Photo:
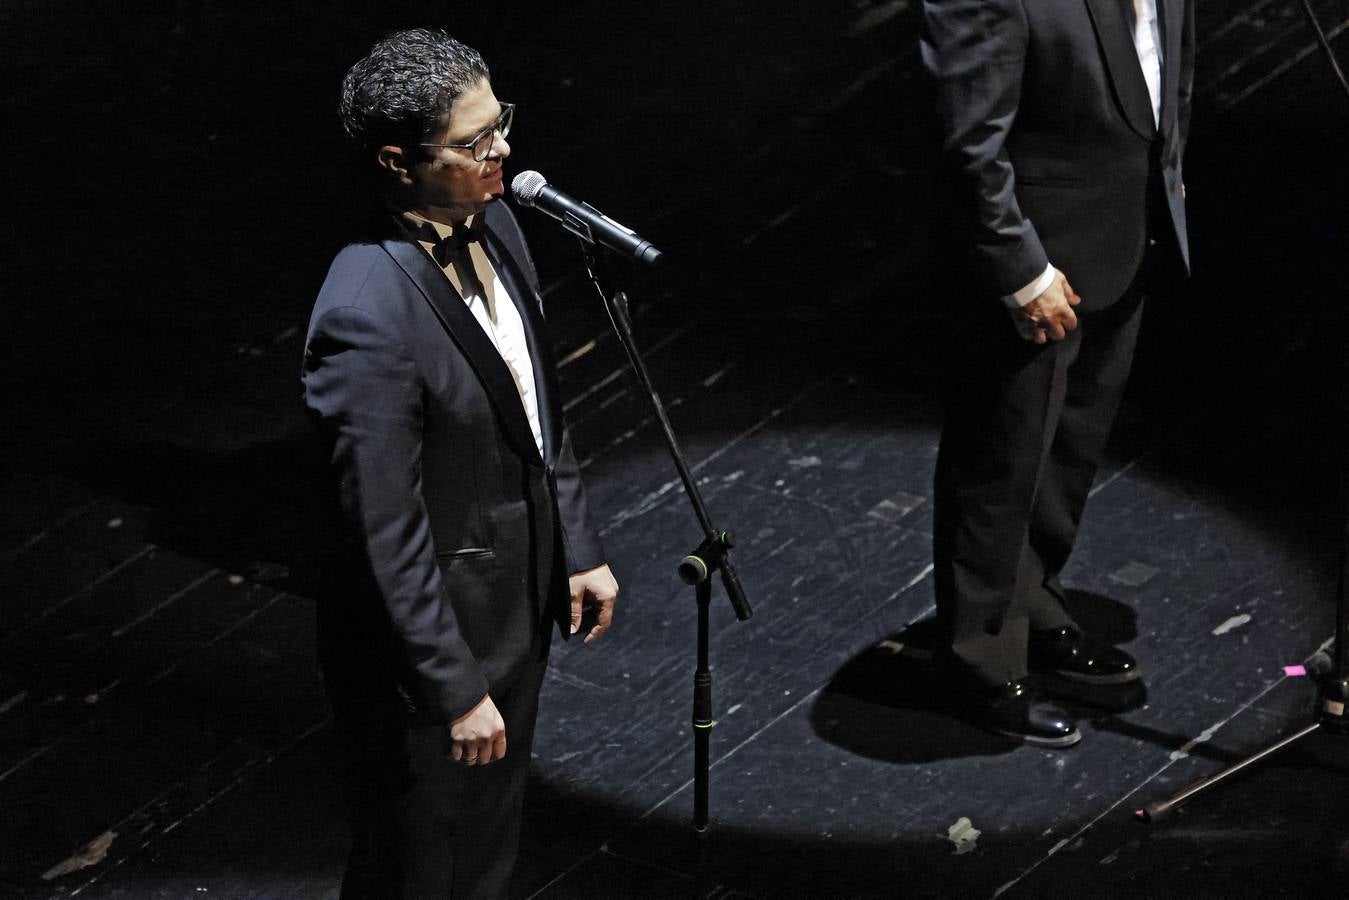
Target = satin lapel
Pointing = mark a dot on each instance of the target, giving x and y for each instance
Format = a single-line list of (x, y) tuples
[(540, 353), (471, 340), (1171, 14), (1111, 20)]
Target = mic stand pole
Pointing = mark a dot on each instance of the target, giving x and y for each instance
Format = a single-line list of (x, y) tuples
[(696, 569), (1335, 685)]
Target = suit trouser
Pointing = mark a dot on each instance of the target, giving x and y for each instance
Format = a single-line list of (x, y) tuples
[(1025, 427), (423, 826)]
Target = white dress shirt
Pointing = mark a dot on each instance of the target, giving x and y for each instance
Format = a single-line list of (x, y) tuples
[(500, 319), (1148, 43)]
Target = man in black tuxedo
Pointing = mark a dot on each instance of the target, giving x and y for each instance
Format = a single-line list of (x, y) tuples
[(1063, 123), (431, 377)]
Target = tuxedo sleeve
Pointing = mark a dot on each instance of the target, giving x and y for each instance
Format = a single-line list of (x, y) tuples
[(974, 53), (364, 387), (581, 542)]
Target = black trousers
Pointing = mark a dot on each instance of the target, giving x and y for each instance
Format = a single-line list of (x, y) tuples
[(423, 826), (1024, 430)]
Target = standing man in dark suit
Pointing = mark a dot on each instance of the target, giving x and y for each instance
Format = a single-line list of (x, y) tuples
[(1063, 123), (429, 371)]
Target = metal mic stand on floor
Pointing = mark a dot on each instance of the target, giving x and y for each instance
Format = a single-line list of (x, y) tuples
[(1331, 714), (1334, 686), (695, 569)]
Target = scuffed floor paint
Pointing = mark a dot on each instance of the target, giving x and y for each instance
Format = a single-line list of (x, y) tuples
[(964, 835), (92, 854), (1232, 624), (1204, 737)]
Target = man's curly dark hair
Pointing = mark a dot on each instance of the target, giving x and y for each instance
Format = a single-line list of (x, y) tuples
[(399, 93)]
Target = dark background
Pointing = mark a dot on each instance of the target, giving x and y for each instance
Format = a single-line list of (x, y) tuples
[(176, 189), (175, 186)]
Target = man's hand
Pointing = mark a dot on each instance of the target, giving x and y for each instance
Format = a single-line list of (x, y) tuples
[(479, 735), (594, 589), (1050, 316)]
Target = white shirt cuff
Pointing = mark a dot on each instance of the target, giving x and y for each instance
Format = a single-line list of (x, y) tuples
[(1032, 290)]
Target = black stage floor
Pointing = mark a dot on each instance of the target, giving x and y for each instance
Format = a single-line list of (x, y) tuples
[(174, 199)]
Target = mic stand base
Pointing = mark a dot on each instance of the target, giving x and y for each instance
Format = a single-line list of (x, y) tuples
[(1334, 696)]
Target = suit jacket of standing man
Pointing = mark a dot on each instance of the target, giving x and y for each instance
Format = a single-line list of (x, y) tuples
[(1043, 108), (466, 533)]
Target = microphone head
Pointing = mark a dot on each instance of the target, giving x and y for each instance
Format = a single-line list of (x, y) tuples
[(526, 187)]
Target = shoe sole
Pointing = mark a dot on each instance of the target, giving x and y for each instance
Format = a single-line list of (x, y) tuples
[(1066, 741), (1122, 678)]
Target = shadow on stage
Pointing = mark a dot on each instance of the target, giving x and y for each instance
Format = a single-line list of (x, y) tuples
[(264, 511)]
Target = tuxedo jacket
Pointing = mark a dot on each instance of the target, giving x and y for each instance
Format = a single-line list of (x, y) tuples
[(1047, 124), (460, 534)]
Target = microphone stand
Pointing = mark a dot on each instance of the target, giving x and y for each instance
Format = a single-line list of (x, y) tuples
[(696, 568), (1334, 687)]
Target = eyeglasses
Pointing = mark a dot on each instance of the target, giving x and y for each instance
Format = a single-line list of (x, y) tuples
[(481, 143)]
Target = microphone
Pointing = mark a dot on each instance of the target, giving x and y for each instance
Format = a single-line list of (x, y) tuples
[(581, 219)]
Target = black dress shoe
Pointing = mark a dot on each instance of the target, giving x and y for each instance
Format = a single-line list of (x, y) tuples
[(1016, 710), (1078, 656)]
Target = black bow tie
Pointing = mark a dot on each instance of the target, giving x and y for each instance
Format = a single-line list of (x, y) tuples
[(444, 250)]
